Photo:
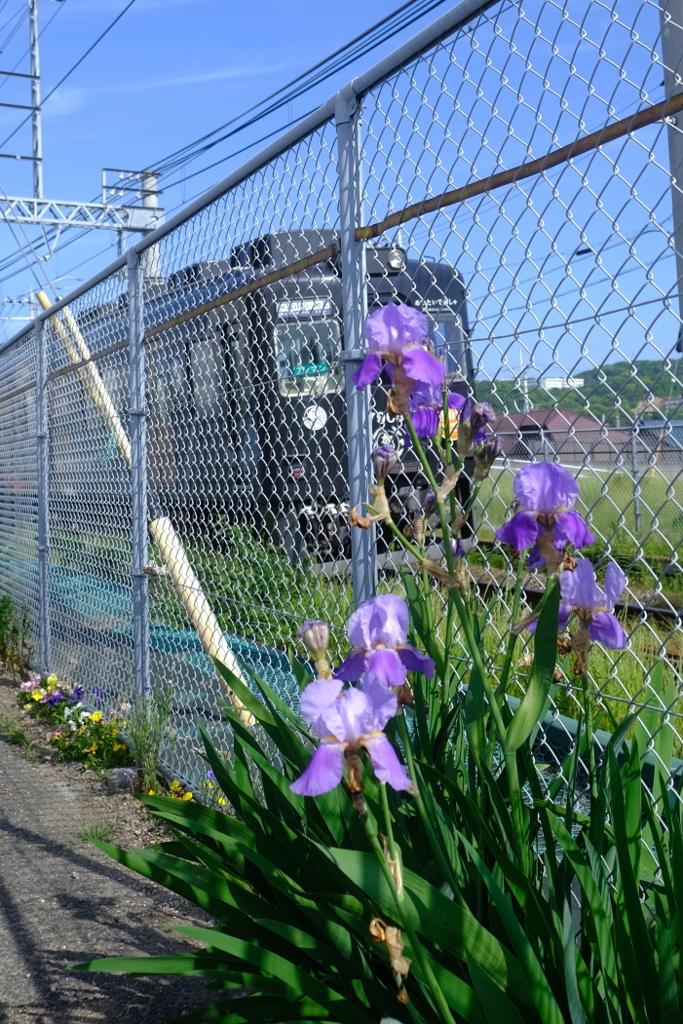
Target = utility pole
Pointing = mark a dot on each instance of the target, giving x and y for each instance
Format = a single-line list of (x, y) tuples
[(35, 101), (150, 201), (54, 213), (672, 58)]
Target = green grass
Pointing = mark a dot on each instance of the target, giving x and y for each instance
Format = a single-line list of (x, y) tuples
[(620, 680), (17, 737), (609, 507), (258, 594), (97, 831)]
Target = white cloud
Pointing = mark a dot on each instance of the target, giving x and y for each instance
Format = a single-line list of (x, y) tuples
[(200, 78), (66, 100)]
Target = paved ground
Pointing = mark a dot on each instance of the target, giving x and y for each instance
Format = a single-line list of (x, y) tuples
[(63, 902)]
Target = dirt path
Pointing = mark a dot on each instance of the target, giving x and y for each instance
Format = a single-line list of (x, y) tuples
[(63, 901)]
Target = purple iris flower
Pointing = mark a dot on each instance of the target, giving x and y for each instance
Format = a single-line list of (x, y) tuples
[(425, 406), (581, 594), (399, 336), (474, 417), (347, 722), (378, 631), (546, 520)]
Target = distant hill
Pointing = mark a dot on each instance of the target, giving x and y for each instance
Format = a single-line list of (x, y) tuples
[(600, 395)]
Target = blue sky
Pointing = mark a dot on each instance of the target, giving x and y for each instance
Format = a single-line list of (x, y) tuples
[(539, 259), (170, 71)]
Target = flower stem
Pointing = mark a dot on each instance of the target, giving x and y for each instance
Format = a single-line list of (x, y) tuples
[(388, 825), (421, 454), (403, 540), (512, 639), (437, 846), (517, 809), (405, 923), (588, 712), (464, 615)]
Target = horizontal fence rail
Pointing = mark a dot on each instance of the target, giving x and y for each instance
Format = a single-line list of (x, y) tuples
[(181, 440)]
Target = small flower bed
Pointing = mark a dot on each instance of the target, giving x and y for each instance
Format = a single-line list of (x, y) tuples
[(92, 737), (176, 790)]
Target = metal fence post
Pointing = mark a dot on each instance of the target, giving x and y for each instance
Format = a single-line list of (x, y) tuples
[(138, 475), (354, 308), (634, 474), (43, 495)]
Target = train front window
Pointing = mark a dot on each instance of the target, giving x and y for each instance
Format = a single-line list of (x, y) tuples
[(450, 343), (307, 353)]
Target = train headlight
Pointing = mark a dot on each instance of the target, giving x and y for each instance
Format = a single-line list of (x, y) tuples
[(396, 260)]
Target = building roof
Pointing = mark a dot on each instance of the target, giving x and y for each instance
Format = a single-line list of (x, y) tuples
[(562, 431)]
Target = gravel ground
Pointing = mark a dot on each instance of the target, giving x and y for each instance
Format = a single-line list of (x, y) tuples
[(62, 901)]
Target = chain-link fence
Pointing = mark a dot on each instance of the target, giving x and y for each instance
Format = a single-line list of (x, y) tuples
[(510, 171)]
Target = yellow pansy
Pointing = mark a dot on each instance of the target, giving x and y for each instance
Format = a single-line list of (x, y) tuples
[(27, 707), (96, 716), (91, 750), (51, 682), (222, 801), (37, 694), (119, 746), (186, 796)]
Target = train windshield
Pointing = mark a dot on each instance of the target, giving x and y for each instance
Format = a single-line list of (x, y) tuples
[(450, 343), (307, 350)]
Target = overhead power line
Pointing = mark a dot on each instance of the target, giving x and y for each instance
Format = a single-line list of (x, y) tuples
[(364, 43), (370, 39), (5, 79), (73, 67)]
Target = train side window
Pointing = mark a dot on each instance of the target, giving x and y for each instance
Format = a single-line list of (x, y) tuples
[(237, 368), (167, 381), (308, 356), (450, 342), (206, 375)]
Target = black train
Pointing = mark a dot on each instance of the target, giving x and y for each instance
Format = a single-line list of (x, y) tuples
[(246, 401)]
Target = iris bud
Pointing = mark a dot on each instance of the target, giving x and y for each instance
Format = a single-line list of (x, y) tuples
[(485, 454), (315, 635), (383, 460)]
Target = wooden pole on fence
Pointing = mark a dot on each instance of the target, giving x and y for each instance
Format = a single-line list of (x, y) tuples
[(161, 529)]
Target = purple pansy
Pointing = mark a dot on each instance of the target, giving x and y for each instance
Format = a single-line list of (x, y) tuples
[(581, 594), (399, 336), (378, 631), (52, 698), (546, 522), (346, 722)]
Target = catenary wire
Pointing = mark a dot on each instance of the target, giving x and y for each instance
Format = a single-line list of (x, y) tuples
[(169, 162), (395, 29), (73, 67), (5, 79), (21, 17)]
